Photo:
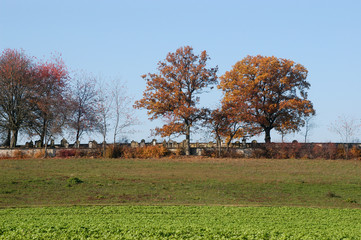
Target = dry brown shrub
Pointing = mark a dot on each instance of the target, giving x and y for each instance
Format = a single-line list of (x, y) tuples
[(39, 154), (355, 153)]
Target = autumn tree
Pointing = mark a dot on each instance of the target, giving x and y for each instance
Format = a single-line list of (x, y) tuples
[(16, 82), (274, 90), (226, 123), (84, 97), (49, 100), (172, 93)]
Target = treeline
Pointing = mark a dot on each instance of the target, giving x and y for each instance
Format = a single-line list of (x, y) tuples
[(40, 98), (259, 94)]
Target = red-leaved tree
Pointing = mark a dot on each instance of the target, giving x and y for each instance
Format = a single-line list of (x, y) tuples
[(50, 100)]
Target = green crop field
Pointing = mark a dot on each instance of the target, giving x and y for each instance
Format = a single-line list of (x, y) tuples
[(189, 198), (179, 222)]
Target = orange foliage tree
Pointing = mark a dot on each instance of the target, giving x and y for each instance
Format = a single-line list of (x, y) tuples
[(227, 123), (172, 93), (274, 90)]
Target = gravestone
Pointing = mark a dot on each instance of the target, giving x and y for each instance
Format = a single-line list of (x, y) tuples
[(52, 143), (154, 142), (92, 144), (142, 143), (244, 142), (134, 144), (38, 144), (29, 144), (77, 144), (64, 143)]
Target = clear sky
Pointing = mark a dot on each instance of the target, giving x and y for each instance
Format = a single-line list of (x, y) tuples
[(125, 39)]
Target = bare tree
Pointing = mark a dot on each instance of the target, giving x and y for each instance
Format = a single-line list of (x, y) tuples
[(16, 81), (123, 112), (346, 128), (104, 112), (84, 103), (309, 126)]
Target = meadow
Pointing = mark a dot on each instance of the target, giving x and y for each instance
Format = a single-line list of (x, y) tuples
[(188, 181), (182, 198)]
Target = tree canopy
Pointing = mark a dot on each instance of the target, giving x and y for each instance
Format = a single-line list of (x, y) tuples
[(274, 91), (172, 92)]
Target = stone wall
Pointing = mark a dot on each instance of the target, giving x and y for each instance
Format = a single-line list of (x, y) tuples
[(197, 148)]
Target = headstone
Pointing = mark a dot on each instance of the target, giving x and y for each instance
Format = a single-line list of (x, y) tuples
[(77, 144), (134, 144), (38, 144), (154, 142), (142, 143), (244, 142), (29, 144), (52, 143), (92, 144), (64, 143)]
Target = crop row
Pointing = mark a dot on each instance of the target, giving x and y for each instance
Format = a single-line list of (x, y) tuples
[(180, 222)]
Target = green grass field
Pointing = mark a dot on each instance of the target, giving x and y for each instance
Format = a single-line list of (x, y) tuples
[(253, 182), (189, 198)]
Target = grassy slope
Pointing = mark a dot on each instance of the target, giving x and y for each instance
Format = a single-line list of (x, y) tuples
[(255, 182)]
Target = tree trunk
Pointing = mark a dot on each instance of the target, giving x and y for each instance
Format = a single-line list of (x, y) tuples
[(104, 144), (45, 139), (43, 133), (228, 145), (13, 138), (267, 132), (219, 146), (188, 142), (77, 135)]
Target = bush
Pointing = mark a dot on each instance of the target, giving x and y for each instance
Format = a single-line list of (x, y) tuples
[(355, 153), (39, 154), (139, 152), (74, 181), (19, 154), (297, 150), (151, 151), (65, 153)]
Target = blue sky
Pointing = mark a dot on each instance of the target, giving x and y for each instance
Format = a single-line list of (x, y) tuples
[(125, 39)]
